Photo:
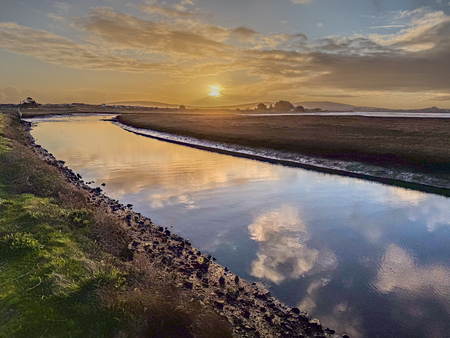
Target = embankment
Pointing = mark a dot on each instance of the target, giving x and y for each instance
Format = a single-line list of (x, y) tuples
[(74, 261)]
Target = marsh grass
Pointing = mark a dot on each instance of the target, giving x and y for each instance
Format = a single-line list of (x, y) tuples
[(63, 272), (419, 144)]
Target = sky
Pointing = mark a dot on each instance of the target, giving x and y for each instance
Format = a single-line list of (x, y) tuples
[(383, 53)]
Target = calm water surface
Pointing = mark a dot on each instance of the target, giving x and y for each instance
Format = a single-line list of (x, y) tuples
[(367, 259)]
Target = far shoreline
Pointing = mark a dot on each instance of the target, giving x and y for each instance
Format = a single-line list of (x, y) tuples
[(383, 180)]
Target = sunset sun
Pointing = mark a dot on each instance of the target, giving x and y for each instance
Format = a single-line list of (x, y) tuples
[(215, 91)]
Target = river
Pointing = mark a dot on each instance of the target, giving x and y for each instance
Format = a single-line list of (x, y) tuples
[(367, 259)]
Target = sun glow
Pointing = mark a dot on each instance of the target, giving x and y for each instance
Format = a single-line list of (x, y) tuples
[(215, 91)]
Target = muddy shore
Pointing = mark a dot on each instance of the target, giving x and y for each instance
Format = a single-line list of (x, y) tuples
[(251, 310)]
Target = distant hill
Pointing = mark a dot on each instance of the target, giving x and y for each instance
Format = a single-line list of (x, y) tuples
[(325, 105), (145, 104), (214, 103)]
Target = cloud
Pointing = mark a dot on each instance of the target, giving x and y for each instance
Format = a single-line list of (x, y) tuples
[(443, 97), (124, 31), (14, 95), (283, 252), (415, 59), (244, 33), (303, 2), (62, 7), (179, 12), (59, 50)]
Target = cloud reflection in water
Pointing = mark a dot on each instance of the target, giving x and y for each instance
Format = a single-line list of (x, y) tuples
[(283, 253)]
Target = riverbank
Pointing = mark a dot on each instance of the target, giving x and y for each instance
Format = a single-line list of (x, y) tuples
[(408, 152), (148, 269)]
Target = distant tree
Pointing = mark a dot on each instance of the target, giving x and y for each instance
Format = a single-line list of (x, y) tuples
[(284, 105), (182, 107), (261, 106), (300, 108), (28, 103)]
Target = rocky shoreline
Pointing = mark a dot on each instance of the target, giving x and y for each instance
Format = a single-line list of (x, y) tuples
[(251, 310)]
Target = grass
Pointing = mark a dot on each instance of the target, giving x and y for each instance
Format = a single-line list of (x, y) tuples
[(418, 144), (61, 269)]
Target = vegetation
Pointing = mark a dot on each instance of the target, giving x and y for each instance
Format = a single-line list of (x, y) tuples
[(261, 106), (418, 144), (61, 271), (283, 105)]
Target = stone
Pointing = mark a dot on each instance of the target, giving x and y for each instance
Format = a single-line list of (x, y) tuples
[(268, 317), (315, 323), (188, 285), (219, 304), (232, 295), (237, 320), (222, 281), (295, 310)]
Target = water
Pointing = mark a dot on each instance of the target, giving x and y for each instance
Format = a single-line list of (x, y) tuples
[(367, 259), (356, 113)]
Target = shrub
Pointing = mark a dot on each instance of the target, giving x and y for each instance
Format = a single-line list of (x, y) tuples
[(19, 242)]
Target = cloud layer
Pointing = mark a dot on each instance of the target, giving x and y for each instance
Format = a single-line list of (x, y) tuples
[(179, 44)]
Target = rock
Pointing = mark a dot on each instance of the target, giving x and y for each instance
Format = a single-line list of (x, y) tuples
[(222, 281), (236, 279), (330, 331), (295, 310), (315, 323), (232, 295), (246, 314), (268, 317), (103, 184), (219, 304), (188, 285), (237, 320)]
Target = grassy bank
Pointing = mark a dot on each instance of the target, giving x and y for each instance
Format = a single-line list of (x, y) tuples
[(418, 144), (65, 270)]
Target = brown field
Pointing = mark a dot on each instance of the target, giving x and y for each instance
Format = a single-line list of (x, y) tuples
[(418, 144)]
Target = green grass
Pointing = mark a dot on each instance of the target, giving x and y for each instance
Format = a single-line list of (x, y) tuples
[(48, 280), (61, 269)]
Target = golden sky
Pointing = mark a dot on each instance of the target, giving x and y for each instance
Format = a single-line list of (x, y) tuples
[(392, 54)]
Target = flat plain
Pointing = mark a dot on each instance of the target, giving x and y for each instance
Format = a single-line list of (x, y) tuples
[(416, 144)]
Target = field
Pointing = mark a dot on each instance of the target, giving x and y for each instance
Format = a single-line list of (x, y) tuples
[(417, 144)]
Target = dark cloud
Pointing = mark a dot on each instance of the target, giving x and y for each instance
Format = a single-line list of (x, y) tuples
[(244, 33)]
